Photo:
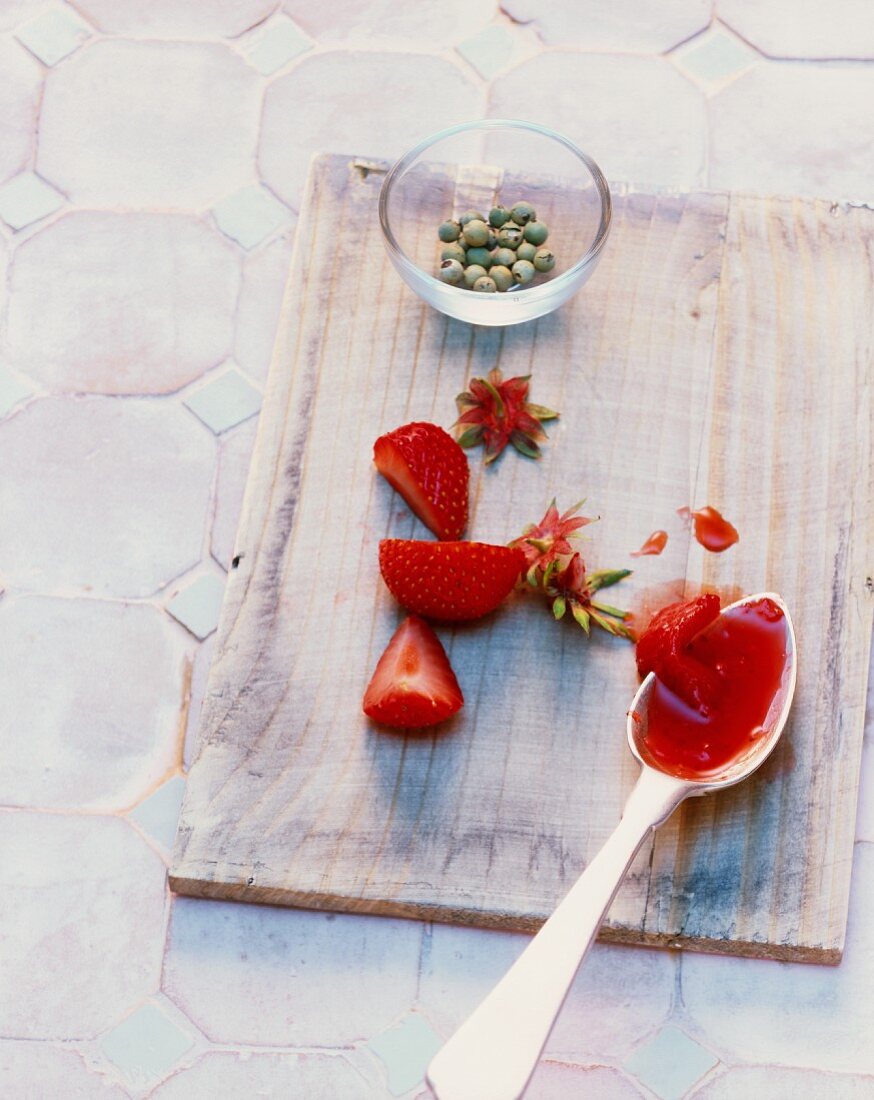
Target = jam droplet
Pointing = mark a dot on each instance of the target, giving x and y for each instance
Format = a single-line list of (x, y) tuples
[(713, 530), (656, 542)]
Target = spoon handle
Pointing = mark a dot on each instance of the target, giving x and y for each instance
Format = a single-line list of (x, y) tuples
[(494, 1053)]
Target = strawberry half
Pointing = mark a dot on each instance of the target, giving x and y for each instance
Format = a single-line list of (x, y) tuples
[(413, 684), (430, 471), (449, 581)]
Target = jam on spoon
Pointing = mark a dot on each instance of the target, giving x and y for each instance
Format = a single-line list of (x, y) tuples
[(716, 681)]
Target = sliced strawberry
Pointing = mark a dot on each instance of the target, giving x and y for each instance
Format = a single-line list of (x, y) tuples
[(663, 646), (449, 581), (413, 684), (430, 471)]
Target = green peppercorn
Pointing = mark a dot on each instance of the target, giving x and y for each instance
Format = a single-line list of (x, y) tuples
[(543, 260), (454, 252), (485, 285), (504, 257), (480, 256), (449, 231), (522, 213), (451, 271), (472, 273), (525, 251), (471, 216), (498, 216), (523, 271), (501, 276), (535, 233), (510, 237), (476, 234)]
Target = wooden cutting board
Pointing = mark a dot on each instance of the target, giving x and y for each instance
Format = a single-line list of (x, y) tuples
[(720, 355)]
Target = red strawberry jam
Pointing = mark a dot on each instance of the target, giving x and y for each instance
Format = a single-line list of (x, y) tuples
[(716, 679)]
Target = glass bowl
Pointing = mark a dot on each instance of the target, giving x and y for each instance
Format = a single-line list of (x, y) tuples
[(476, 165)]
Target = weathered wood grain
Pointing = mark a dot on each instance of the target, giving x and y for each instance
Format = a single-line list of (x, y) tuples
[(721, 354)]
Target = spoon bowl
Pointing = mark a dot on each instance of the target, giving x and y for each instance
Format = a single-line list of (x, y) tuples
[(494, 1053), (760, 749)]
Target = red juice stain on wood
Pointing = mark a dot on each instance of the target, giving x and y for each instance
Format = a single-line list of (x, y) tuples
[(711, 528), (656, 542), (745, 652)]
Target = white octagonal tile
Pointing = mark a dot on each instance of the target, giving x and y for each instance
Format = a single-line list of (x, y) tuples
[(39, 1071), (640, 120), (758, 145), (175, 18), (121, 303), (807, 28), (645, 26), (413, 26), (82, 910), (424, 93), (242, 1076), (149, 123), (264, 277), (92, 696), (122, 486), (299, 978), (234, 458)]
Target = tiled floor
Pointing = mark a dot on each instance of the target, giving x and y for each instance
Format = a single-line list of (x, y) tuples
[(152, 155)]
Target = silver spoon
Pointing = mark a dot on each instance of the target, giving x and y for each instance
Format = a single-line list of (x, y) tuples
[(495, 1051)]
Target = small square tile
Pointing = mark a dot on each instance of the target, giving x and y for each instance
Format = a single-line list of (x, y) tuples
[(489, 50), (225, 401), (198, 605), (250, 215), (53, 35), (26, 198), (12, 390), (714, 58), (279, 42), (146, 1045), (406, 1050), (670, 1063), (158, 814)]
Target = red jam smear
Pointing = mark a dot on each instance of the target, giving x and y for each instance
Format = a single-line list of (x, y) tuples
[(656, 542), (713, 689)]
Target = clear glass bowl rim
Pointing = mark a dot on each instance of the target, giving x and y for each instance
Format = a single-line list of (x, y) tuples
[(531, 293)]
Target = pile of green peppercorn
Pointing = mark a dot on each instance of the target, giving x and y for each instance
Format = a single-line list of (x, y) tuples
[(494, 254)]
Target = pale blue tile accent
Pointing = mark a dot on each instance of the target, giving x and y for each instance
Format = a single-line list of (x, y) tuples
[(489, 50), (406, 1050), (225, 401), (670, 1063), (715, 58), (198, 605), (250, 215), (146, 1045), (53, 35), (12, 390), (26, 198), (280, 42), (158, 814)]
